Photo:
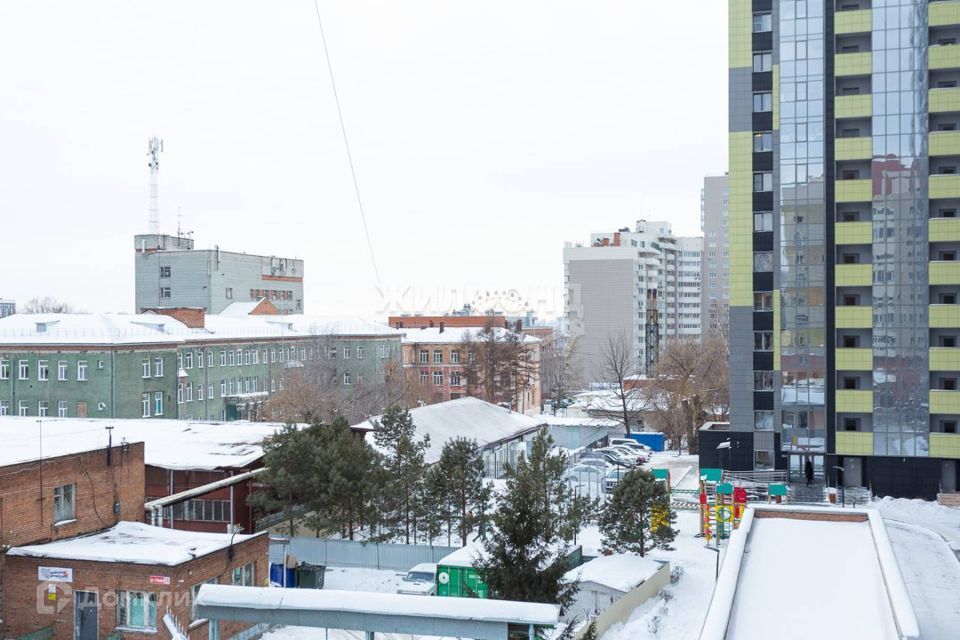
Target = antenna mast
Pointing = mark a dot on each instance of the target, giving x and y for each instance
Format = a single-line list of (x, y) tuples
[(154, 147)]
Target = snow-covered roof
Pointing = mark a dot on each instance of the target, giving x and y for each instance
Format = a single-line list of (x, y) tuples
[(133, 542), (465, 417), (620, 571), (452, 335), (170, 444), (568, 421), (240, 308), (464, 556), (153, 328)]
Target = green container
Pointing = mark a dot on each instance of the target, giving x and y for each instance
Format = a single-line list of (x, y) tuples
[(460, 582)]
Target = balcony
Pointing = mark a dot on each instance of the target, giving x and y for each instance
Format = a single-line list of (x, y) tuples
[(944, 316), (861, 106), (944, 229), (853, 148), (857, 317), (860, 359), (944, 445), (854, 64), (855, 190), (854, 400), (943, 401), (944, 143), (944, 272), (943, 56), (854, 275), (854, 443), (943, 100), (854, 232), (944, 186), (859, 21), (944, 359), (942, 14)]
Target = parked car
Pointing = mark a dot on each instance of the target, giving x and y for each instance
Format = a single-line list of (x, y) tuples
[(633, 444), (620, 458), (598, 465), (613, 478), (421, 580), (637, 456), (609, 457)]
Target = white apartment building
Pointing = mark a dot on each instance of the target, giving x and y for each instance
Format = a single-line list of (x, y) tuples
[(716, 257), (642, 284)]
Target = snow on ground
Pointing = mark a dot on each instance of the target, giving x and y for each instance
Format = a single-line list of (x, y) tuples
[(932, 515), (350, 579), (931, 573), (679, 612)]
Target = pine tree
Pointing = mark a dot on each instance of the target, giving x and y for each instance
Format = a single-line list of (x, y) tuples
[(637, 518), (404, 463), (288, 457), (461, 466)]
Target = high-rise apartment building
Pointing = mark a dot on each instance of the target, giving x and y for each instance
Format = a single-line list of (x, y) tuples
[(716, 254), (642, 285), (844, 241), (170, 272)]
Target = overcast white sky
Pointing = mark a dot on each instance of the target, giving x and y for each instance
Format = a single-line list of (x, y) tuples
[(485, 134)]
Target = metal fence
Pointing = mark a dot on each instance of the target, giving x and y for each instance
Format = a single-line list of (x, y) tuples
[(348, 553)]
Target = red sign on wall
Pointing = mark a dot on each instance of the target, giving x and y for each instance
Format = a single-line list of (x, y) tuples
[(159, 579)]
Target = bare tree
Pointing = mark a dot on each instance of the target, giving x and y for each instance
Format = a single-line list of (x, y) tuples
[(46, 304), (560, 368), (618, 367), (500, 366), (690, 386)]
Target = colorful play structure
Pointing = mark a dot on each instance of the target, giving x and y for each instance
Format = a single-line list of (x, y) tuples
[(722, 504)]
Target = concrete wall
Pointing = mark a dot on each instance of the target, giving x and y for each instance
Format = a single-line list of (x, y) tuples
[(621, 610)]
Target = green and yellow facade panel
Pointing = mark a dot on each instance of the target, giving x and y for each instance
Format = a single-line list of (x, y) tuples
[(853, 148), (944, 100), (860, 359), (944, 143), (944, 57), (854, 400), (854, 190), (943, 401), (854, 443), (944, 359), (859, 21), (944, 13), (859, 106), (944, 316), (945, 186), (853, 64), (853, 232), (944, 230), (854, 275), (854, 317), (740, 50), (740, 212), (944, 445), (944, 272)]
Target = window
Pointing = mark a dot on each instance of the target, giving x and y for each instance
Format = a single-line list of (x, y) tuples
[(471, 357), (61, 409), (347, 378), (948, 341), (158, 367), (763, 141), (437, 357), (4, 369), (231, 357), (332, 351), (23, 409), (424, 376), (82, 370), (242, 576), (4, 407), (762, 102), (763, 261), (762, 61), (180, 393), (145, 405), (384, 351), (762, 22), (200, 359), (361, 352), (851, 424), (199, 392), (850, 342), (455, 379), (438, 378), (164, 272), (42, 406), (137, 610), (65, 503), (223, 358), (948, 298), (763, 380), (763, 301), (223, 388), (188, 360), (210, 358), (763, 221), (24, 370), (189, 389), (948, 384), (948, 426), (165, 292), (228, 294), (851, 382), (455, 357), (194, 590), (158, 403), (256, 356), (43, 370), (948, 256), (762, 340), (247, 356), (424, 357), (145, 365), (762, 182), (763, 420), (347, 353)]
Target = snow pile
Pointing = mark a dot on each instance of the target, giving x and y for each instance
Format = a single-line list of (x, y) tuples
[(934, 516)]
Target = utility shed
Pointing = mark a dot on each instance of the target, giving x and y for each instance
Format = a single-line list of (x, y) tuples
[(606, 579)]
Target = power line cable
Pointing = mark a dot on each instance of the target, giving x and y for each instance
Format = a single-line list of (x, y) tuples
[(346, 144)]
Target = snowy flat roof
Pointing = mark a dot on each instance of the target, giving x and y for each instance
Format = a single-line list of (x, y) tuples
[(620, 571), (465, 417), (433, 335), (133, 543), (170, 444), (564, 421)]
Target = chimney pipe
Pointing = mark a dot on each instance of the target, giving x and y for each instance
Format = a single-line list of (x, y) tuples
[(441, 326)]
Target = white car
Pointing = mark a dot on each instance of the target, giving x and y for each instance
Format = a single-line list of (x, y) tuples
[(636, 456), (421, 580), (633, 444), (622, 458)]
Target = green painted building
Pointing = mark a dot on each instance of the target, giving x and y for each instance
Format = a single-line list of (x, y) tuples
[(211, 367)]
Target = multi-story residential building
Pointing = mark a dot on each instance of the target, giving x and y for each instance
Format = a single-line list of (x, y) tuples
[(177, 363), (716, 253), (170, 272), (630, 284), (844, 240), (7, 307), (443, 358)]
